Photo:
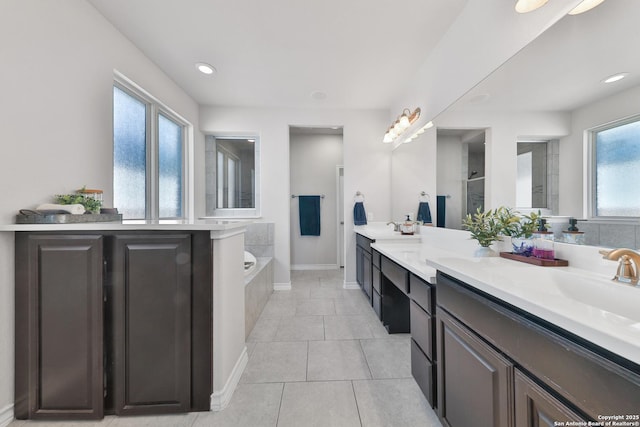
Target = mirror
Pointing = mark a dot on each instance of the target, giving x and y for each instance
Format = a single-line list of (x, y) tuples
[(231, 176), (554, 90)]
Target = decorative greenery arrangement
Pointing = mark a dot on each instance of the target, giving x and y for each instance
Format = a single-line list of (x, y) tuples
[(485, 227), (515, 225), (90, 204)]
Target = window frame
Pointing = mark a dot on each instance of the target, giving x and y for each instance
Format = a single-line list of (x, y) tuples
[(154, 109), (591, 190)]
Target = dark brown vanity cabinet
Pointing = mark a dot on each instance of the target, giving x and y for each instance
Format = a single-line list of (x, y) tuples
[(501, 366), (150, 301), (363, 265), (376, 283), (421, 311), (535, 407), (59, 327), (112, 323), (474, 380)]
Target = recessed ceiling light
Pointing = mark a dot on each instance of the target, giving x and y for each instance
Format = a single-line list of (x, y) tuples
[(480, 98), (251, 140), (205, 68), (585, 6), (318, 95), (615, 78)]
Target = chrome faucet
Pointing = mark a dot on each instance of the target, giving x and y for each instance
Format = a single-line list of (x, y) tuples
[(629, 262), (396, 226)]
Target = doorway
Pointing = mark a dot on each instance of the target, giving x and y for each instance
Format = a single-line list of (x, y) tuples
[(315, 159)]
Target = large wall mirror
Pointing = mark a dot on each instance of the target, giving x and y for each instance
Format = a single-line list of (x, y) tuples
[(232, 176), (554, 90)]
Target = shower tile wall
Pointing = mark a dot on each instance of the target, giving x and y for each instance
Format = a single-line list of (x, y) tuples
[(259, 239)]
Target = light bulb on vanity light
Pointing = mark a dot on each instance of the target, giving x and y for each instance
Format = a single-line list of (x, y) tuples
[(585, 6), (526, 6)]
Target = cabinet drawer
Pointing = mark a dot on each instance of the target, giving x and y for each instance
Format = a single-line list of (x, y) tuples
[(377, 304), (396, 274), (422, 372), (421, 293), (376, 279), (422, 329), (375, 258), (364, 243)]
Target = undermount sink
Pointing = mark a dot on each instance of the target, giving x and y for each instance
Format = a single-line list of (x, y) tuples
[(595, 292)]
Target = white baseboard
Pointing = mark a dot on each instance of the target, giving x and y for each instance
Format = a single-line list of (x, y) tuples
[(6, 415), (221, 398), (282, 286), (314, 266), (351, 285)]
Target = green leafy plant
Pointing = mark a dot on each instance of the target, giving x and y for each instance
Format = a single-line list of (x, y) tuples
[(485, 227), (90, 204), (515, 225)]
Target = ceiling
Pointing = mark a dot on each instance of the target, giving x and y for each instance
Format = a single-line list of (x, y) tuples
[(563, 68), (277, 53)]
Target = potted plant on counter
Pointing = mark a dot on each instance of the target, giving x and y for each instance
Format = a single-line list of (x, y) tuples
[(486, 228), (520, 228)]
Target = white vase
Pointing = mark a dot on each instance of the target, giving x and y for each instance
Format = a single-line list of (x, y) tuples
[(484, 251)]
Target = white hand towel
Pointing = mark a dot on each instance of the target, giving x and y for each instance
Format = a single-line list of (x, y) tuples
[(76, 209)]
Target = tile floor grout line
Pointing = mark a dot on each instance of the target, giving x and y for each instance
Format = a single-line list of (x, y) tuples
[(355, 399), (365, 358), (280, 405), (306, 373)]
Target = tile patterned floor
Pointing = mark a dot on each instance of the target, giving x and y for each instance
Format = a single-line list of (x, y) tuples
[(318, 356)]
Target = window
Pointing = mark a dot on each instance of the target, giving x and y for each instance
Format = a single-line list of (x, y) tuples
[(615, 168), (148, 156)]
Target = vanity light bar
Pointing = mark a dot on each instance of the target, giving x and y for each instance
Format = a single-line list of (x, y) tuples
[(419, 132), (397, 128)]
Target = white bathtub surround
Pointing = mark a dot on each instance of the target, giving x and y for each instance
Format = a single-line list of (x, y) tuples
[(259, 239), (580, 298), (257, 290)]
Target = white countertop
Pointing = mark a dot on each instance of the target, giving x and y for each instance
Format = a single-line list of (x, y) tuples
[(164, 224), (586, 304), (380, 231)]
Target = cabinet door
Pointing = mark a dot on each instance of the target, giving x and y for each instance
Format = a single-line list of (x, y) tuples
[(367, 282), (59, 350), (474, 381), (151, 343), (359, 264), (535, 407)]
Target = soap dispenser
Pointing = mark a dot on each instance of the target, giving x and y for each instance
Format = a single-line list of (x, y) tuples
[(572, 234), (543, 241), (408, 226)]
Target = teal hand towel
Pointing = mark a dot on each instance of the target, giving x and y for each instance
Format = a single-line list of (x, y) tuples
[(359, 214), (309, 210)]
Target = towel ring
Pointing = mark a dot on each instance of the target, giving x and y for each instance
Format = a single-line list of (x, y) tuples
[(359, 197), (424, 197)]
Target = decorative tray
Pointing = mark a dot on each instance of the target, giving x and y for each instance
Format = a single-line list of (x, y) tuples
[(535, 261), (66, 218)]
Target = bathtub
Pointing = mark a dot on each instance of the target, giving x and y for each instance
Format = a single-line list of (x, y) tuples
[(250, 263)]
